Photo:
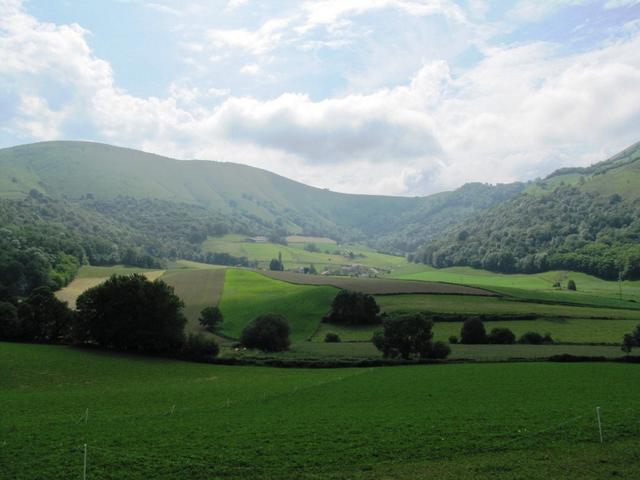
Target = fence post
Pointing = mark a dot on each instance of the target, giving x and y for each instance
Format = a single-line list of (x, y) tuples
[(599, 424), (84, 471)]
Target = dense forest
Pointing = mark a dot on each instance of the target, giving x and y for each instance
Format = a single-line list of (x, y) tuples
[(569, 229)]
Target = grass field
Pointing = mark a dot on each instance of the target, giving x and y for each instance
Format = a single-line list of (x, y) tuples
[(294, 255), (498, 306), (248, 294), (591, 290), (565, 330), (89, 276), (360, 350), (470, 421), (377, 286), (198, 288)]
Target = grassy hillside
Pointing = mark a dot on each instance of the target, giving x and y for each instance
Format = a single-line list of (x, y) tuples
[(106, 173), (485, 421)]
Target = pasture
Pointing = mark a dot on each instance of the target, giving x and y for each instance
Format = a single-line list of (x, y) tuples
[(198, 288), (89, 276), (294, 254), (163, 419), (377, 286), (591, 290), (568, 330), (248, 294)]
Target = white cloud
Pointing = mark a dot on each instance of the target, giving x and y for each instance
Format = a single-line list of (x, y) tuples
[(536, 10), (520, 112), (257, 42), (250, 69)]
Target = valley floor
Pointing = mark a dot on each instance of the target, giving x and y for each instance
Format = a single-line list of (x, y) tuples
[(153, 418)]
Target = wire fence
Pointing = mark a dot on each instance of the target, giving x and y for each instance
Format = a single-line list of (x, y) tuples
[(86, 455)]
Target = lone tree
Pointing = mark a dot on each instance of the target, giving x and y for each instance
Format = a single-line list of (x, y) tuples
[(631, 340), (211, 318), (353, 308), (473, 332), (571, 285), (409, 335), (131, 313), (269, 333), (276, 264)]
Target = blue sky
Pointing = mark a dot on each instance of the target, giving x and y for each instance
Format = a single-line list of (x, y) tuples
[(400, 97)]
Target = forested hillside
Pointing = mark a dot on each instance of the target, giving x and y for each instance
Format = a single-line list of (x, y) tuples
[(112, 180), (585, 219)]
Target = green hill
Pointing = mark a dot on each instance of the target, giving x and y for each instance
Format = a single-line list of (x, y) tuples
[(102, 174), (584, 219)]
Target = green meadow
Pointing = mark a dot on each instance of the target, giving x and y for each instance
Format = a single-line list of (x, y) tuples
[(145, 418), (248, 294), (294, 254)]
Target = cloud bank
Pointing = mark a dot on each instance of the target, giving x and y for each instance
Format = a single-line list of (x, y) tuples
[(521, 110)]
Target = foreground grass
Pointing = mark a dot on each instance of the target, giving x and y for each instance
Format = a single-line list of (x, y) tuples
[(505, 421), (248, 294)]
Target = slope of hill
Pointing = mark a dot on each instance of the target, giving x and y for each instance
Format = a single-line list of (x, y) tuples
[(107, 178), (576, 219)]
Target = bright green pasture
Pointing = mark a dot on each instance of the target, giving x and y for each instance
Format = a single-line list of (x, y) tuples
[(248, 294), (561, 330), (294, 254), (468, 421), (588, 286), (494, 305)]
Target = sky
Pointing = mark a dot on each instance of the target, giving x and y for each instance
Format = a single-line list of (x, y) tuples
[(396, 97)]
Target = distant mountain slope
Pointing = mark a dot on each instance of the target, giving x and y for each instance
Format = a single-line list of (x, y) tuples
[(78, 171), (585, 219)]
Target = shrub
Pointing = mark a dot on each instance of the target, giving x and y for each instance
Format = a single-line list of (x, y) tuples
[(531, 338), (501, 336), (200, 347), (332, 338), (439, 350), (353, 308), (9, 325), (473, 332), (131, 313), (406, 335), (211, 318), (269, 333), (547, 338), (453, 339), (571, 285)]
